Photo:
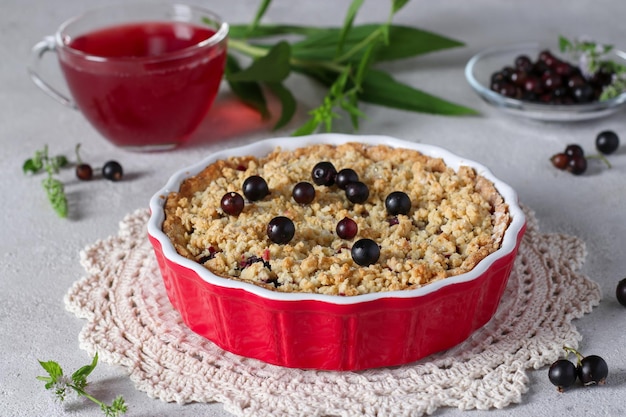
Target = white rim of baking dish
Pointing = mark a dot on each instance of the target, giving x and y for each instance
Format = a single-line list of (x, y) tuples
[(263, 147)]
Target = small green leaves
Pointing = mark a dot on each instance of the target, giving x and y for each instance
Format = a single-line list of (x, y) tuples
[(347, 24), (380, 88), (53, 187), (595, 58), (54, 373), (78, 382), (248, 91), (341, 58), (79, 377), (56, 195), (273, 67)]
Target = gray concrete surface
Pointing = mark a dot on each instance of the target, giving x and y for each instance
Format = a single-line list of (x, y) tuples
[(39, 252)]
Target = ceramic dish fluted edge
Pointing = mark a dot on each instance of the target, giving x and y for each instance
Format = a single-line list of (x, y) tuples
[(481, 66), (318, 331)]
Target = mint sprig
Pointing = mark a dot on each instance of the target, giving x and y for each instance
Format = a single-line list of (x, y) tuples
[(54, 188), (61, 384), (340, 58), (592, 57)]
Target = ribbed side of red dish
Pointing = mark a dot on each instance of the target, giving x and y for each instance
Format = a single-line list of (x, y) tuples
[(321, 335)]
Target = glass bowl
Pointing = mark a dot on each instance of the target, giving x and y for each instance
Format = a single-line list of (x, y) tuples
[(481, 66), (317, 331)]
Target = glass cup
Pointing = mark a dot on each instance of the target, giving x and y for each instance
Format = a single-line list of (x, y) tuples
[(144, 75)]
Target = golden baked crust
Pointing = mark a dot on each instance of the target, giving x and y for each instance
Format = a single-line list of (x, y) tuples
[(456, 220)]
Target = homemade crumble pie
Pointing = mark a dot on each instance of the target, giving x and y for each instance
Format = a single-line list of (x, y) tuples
[(455, 220)]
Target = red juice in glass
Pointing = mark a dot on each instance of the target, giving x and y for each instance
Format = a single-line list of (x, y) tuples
[(144, 85)]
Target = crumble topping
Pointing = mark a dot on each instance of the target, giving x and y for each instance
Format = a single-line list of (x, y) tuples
[(456, 220)]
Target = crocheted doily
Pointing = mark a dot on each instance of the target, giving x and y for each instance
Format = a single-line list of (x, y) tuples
[(130, 322)]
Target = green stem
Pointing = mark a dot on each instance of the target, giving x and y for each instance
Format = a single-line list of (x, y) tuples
[(356, 48), (258, 52), (601, 157), (579, 355), (85, 394), (246, 48)]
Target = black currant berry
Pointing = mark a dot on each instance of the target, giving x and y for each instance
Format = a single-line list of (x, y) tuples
[(574, 151), (398, 202), (112, 171), (232, 203), (346, 228), (562, 374), (84, 172), (577, 165), (607, 142), (255, 188), (345, 177), (593, 370), (324, 173), (365, 252), (281, 230), (303, 192), (560, 160), (620, 292), (357, 192)]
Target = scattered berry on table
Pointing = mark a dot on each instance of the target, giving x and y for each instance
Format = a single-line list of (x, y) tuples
[(620, 292), (324, 173), (577, 165), (346, 228), (607, 142), (562, 374), (303, 192), (255, 188), (112, 170), (574, 150), (593, 370), (560, 160), (281, 230), (84, 172), (232, 203), (365, 252)]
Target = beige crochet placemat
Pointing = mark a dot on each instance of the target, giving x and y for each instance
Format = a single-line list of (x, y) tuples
[(130, 322)]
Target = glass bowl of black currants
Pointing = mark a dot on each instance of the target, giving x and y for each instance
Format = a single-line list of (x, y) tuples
[(536, 81)]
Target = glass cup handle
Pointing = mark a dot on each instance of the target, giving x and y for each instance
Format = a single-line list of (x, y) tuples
[(46, 45)]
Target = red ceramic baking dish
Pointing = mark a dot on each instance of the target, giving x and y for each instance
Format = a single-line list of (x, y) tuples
[(326, 332)]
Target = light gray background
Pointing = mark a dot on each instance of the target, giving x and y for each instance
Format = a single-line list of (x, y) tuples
[(39, 252)]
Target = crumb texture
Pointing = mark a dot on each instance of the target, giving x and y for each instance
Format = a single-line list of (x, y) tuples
[(457, 218)]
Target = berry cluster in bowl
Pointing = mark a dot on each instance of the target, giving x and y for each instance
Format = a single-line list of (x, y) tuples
[(535, 80), (321, 331), (549, 79)]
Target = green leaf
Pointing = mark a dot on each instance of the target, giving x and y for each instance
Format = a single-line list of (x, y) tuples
[(32, 166), (56, 195), (79, 377), (287, 101), (259, 14), (54, 371), (396, 5), (380, 88), (564, 44), (347, 25), (364, 64), (263, 31), (249, 92), (308, 128), (404, 42), (271, 68)]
